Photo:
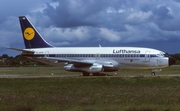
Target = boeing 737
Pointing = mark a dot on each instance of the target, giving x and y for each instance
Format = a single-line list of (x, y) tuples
[(90, 60)]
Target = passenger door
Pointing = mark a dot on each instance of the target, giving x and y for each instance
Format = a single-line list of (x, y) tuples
[(147, 56)]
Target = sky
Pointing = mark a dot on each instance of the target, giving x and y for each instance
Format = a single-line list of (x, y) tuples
[(88, 23)]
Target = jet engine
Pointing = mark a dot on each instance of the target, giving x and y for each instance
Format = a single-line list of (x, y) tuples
[(95, 68)]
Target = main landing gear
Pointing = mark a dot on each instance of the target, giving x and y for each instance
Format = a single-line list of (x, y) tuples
[(86, 74), (94, 74)]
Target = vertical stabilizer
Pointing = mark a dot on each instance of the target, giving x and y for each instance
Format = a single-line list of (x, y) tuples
[(32, 38)]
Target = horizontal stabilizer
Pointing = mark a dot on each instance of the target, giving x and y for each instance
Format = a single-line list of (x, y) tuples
[(22, 50)]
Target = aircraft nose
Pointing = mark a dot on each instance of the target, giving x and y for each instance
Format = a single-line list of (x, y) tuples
[(171, 61)]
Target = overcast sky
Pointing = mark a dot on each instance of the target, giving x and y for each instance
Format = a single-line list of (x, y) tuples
[(139, 23)]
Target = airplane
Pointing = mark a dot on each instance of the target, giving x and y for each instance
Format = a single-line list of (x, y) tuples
[(90, 60)]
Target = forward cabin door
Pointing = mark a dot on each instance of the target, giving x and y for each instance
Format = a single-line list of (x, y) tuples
[(147, 56)]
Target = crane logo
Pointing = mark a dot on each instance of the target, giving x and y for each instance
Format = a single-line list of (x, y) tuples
[(29, 33)]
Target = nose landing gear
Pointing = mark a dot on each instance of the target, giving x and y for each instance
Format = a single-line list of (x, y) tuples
[(153, 72)]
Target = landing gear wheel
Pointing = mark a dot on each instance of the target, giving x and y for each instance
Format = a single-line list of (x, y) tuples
[(153, 73), (85, 74)]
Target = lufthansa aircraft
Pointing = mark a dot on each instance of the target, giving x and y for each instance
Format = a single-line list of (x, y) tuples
[(90, 60)]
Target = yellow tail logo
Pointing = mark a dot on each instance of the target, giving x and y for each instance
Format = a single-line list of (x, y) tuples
[(29, 33)]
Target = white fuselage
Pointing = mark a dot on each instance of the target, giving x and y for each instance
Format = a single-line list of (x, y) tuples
[(127, 57)]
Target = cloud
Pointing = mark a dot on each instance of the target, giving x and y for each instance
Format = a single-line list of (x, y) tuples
[(90, 22), (109, 35), (9, 33), (111, 22)]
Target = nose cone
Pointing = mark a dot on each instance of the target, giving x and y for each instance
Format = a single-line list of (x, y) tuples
[(171, 61)]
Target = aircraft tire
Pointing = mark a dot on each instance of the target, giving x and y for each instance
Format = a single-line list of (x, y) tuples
[(153, 73)]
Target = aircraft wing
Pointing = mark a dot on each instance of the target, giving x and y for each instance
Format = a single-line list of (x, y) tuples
[(72, 61), (105, 63)]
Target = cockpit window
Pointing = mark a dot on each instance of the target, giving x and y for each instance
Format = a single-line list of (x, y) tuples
[(158, 55), (164, 54)]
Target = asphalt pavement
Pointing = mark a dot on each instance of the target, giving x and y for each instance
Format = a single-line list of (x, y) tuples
[(79, 75)]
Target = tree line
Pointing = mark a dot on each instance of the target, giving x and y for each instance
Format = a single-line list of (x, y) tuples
[(17, 61), (21, 61), (176, 57)]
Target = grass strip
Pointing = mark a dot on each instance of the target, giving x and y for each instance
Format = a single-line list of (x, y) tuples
[(86, 94)]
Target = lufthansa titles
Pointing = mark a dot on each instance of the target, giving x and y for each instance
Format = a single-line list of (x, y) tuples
[(123, 51)]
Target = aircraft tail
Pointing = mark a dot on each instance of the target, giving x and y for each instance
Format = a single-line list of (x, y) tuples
[(32, 38)]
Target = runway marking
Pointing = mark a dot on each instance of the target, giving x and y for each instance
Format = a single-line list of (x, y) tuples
[(80, 75)]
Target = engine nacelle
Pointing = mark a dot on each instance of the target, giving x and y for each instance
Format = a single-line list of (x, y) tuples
[(110, 66), (95, 68)]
